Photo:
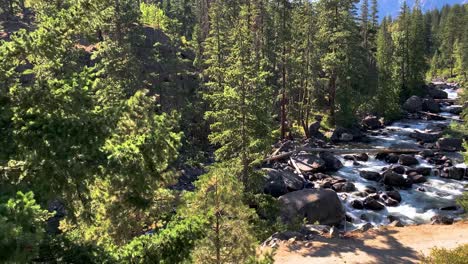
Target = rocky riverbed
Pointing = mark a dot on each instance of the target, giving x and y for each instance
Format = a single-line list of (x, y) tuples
[(383, 188)]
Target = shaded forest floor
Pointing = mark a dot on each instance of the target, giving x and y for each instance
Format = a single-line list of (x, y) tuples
[(384, 245)]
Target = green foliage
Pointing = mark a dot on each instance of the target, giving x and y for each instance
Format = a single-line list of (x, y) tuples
[(228, 236), (463, 201), (21, 228), (173, 244), (154, 16), (458, 255)]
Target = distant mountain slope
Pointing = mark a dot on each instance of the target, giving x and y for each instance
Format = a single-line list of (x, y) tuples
[(392, 7)]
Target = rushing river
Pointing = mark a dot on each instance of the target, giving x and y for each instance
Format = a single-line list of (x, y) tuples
[(419, 203)]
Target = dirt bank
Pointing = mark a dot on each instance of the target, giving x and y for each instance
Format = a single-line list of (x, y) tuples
[(385, 245)]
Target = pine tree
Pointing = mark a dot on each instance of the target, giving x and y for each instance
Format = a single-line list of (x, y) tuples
[(387, 103), (228, 238), (402, 51), (240, 99), (417, 66), (304, 63), (342, 61)]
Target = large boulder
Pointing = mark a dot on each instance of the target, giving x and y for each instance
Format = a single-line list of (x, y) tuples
[(408, 160), (372, 204), (393, 179), (344, 187), (309, 163), (429, 137), (456, 173), (394, 195), (371, 123), (450, 144), (430, 105), (413, 104), (362, 157), (281, 182), (346, 134), (370, 175), (332, 163), (417, 178), (314, 205), (436, 93)]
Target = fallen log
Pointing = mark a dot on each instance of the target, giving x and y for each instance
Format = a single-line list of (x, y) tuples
[(441, 116), (341, 151), (299, 172), (280, 148)]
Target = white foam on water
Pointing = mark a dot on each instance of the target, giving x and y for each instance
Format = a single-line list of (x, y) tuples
[(416, 206)]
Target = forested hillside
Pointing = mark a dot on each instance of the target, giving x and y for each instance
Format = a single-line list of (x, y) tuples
[(110, 109)]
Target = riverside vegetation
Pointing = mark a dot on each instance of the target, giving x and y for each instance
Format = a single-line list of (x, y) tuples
[(109, 110)]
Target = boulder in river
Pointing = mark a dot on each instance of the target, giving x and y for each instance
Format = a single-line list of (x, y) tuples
[(315, 205), (413, 104), (362, 157), (346, 134), (450, 144), (392, 158), (370, 175), (344, 187), (399, 169), (456, 173), (417, 178), (371, 122), (393, 179), (391, 202), (309, 163), (357, 204), (427, 153), (281, 182), (332, 163), (394, 195), (431, 106), (429, 137), (408, 160), (436, 93), (372, 204)]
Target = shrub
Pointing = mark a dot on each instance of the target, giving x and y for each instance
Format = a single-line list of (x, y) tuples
[(458, 255)]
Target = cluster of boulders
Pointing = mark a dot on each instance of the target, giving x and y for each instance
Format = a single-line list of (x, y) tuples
[(305, 190), (428, 103)]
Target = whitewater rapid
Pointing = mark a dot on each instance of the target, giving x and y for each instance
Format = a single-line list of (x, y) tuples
[(420, 203)]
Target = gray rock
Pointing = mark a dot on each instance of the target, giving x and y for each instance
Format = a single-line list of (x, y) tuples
[(408, 160), (418, 178), (357, 204), (314, 205), (394, 195), (399, 169), (430, 105), (371, 122), (281, 182), (332, 163), (362, 157), (309, 163), (426, 137), (344, 187), (442, 220), (372, 204), (370, 175), (436, 93), (413, 104), (393, 179), (450, 144)]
